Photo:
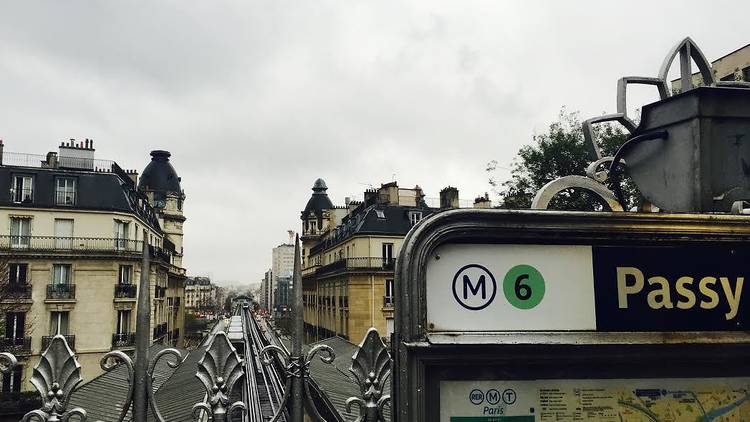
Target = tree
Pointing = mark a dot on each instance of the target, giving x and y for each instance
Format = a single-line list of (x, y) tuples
[(561, 151)]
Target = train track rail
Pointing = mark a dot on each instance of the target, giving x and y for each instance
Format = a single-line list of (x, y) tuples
[(264, 385)]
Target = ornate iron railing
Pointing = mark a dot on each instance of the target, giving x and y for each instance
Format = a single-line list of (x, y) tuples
[(70, 244), (125, 291), (18, 345), (70, 340), (12, 291), (58, 373), (61, 291), (123, 340)]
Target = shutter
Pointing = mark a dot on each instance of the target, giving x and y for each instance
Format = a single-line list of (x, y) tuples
[(22, 273), (8, 326)]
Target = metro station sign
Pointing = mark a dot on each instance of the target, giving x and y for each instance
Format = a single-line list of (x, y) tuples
[(535, 287)]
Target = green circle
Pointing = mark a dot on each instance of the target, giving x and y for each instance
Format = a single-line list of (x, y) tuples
[(523, 286)]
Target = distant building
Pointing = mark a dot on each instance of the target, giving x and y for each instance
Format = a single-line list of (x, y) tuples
[(74, 229), (266, 291), (734, 66), (201, 294), (349, 253)]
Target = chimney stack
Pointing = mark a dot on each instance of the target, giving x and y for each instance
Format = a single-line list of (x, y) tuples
[(483, 201), (449, 197)]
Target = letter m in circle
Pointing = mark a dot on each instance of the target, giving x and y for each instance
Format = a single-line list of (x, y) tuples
[(474, 288)]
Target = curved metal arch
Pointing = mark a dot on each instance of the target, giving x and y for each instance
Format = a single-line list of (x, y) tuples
[(595, 151), (547, 192), (622, 90), (687, 49)]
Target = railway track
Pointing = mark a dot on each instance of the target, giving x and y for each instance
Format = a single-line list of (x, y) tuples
[(263, 388)]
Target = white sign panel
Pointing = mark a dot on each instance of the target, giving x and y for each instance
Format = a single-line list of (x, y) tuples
[(603, 400), (510, 288)]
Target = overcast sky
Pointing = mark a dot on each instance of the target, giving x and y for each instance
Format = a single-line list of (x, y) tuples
[(256, 100)]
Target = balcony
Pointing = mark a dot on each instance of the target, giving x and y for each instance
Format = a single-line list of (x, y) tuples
[(160, 330), (387, 301), (15, 291), (70, 244), (123, 340), (357, 264), (16, 346), (125, 291), (71, 339), (61, 291)]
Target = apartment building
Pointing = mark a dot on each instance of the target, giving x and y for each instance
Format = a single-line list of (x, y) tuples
[(201, 294), (349, 254), (732, 67), (73, 234)]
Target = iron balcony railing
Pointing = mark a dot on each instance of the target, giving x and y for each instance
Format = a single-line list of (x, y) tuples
[(40, 161), (71, 339), (61, 291), (65, 197), (120, 340), (388, 301), (19, 345), (77, 244), (125, 291), (160, 330), (358, 264), (15, 291), (22, 196)]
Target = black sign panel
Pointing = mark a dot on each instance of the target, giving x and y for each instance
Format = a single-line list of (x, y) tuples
[(685, 288)]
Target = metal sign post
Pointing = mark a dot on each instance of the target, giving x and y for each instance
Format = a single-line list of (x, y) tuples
[(547, 316)]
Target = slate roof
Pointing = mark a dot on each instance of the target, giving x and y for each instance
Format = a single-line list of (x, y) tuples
[(97, 191), (395, 221), (336, 382), (159, 176), (104, 396)]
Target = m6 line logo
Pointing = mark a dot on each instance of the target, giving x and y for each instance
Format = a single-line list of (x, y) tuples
[(475, 287)]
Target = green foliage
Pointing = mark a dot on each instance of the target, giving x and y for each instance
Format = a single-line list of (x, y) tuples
[(561, 151), (193, 324)]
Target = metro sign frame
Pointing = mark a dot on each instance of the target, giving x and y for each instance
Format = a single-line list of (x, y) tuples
[(426, 356)]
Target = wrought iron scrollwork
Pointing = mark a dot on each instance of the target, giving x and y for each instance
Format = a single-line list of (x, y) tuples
[(110, 361), (219, 369), (164, 353), (7, 362), (371, 367), (297, 367), (55, 377)]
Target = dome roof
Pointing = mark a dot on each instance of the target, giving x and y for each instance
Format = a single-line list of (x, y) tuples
[(159, 175), (319, 200)]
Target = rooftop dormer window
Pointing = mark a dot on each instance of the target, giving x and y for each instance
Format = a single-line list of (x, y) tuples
[(415, 217), (22, 191), (65, 191)]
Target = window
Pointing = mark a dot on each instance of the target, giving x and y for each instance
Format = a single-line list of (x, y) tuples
[(60, 274), (728, 78), (65, 191), (123, 322), (20, 232), (18, 273), (15, 325), (388, 327), (125, 274), (121, 234), (63, 233), (387, 252), (58, 323), (389, 288), (746, 74), (415, 216), (22, 190), (12, 381)]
